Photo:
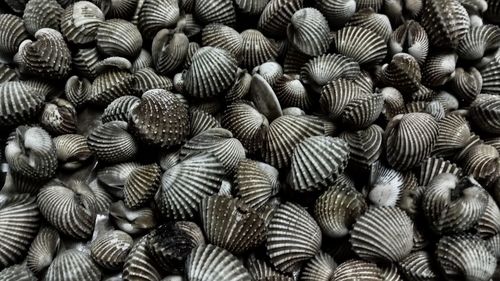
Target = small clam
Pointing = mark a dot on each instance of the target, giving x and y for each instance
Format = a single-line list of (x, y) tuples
[(117, 37), (7, 73), (112, 143), (431, 167), (155, 15), (19, 102), (357, 270), (39, 14), (115, 177), (169, 51), (319, 268), (111, 83), (209, 262), (72, 151), (270, 71), (369, 19), (309, 32), (77, 91), (479, 41), (411, 38), (12, 34), (365, 146), (264, 98), (260, 269), (337, 94), (141, 185), (201, 121), (19, 223), (418, 266), (188, 25), (337, 12), (489, 223), (111, 249), (256, 49), (292, 93), (482, 162), (489, 73), (102, 197), (402, 73), (256, 183), (170, 244), (17, 272), (73, 265), (79, 22), (219, 11), (294, 60), (119, 109), (394, 103), (139, 265), (277, 15), (85, 61), (251, 7), (224, 37), (439, 69), (132, 221), (120, 9), (363, 45), (454, 134), (59, 117), (293, 237), (485, 113), (43, 249), (143, 60)]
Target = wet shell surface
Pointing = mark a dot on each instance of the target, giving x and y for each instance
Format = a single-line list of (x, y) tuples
[(219, 11), (72, 265), (169, 51), (365, 146), (59, 117), (256, 183), (112, 143), (402, 73), (478, 41), (43, 249), (292, 93), (139, 264), (410, 38), (111, 249)]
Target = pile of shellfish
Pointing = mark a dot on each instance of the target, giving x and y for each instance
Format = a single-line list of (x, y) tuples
[(249, 140)]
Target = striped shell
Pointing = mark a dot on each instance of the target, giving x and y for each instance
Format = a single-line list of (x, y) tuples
[(215, 11), (120, 9), (336, 96), (59, 117), (365, 146), (317, 162), (251, 7), (19, 223), (418, 266), (337, 12), (209, 262), (186, 184), (309, 32), (409, 139), (7, 73), (47, 57), (337, 209), (369, 19), (132, 221), (402, 73), (73, 265), (489, 73), (155, 15), (212, 71), (454, 134), (43, 249), (256, 49), (79, 22), (143, 60), (201, 121), (260, 269), (357, 270), (224, 37), (117, 37), (141, 185), (119, 109), (352, 41), (111, 249), (139, 265), (467, 84), (169, 51), (292, 93), (439, 69), (160, 119), (383, 234), (256, 183), (446, 22), (431, 167), (478, 41), (77, 91), (70, 208), (19, 102), (293, 237), (319, 268), (85, 62), (110, 85), (411, 38), (112, 143), (489, 223), (231, 224), (481, 161), (277, 15), (39, 14), (485, 113), (17, 272), (12, 34), (115, 177), (170, 244)]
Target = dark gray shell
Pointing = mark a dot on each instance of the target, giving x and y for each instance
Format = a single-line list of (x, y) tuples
[(73, 265), (256, 49), (139, 265), (363, 45), (277, 15), (369, 19), (155, 15), (357, 270), (39, 14), (411, 38), (17, 272), (256, 183), (485, 113), (478, 41), (85, 62), (418, 266), (79, 22), (224, 37), (319, 268), (112, 143), (218, 11), (111, 249), (309, 32), (110, 85), (77, 91), (141, 185), (439, 69), (116, 37), (19, 103), (292, 93), (337, 12), (59, 117), (119, 109), (402, 73), (169, 51), (43, 249), (12, 34)]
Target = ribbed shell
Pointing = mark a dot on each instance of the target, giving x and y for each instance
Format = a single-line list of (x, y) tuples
[(383, 234), (114, 177), (251, 7), (439, 69), (121, 9), (73, 265), (59, 117), (42, 13), (277, 15), (155, 15), (231, 224), (454, 133), (215, 11), (7, 73), (19, 223), (317, 162), (70, 209), (143, 60), (352, 41), (411, 38), (110, 85), (288, 131), (293, 237), (292, 93), (402, 73), (85, 62), (111, 249), (47, 57), (481, 161), (117, 37), (264, 98), (43, 249), (209, 262), (319, 268), (30, 152), (431, 167), (111, 142), (102, 197), (141, 185), (260, 269), (489, 73), (489, 223), (256, 183), (322, 69), (247, 125), (418, 267), (467, 84), (77, 91), (201, 121), (357, 270), (221, 143), (409, 139), (362, 112), (160, 119), (485, 113), (224, 37), (478, 41), (19, 102), (12, 34), (369, 19), (465, 257), (132, 221), (186, 184), (446, 22), (365, 146), (337, 94), (337, 12), (139, 266), (17, 272), (79, 22), (169, 51), (309, 32), (256, 49), (119, 109), (493, 11), (212, 71)]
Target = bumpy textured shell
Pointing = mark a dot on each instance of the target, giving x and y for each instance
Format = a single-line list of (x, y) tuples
[(409, 139), (201, 121), (411, 38), (110, 85), (369, 19), (337, 12), (85, 62), (212, 71), (73, 265), (465, 257), (17, 272), (186, 184), (59, 117), (454, 133), (247, 125), (218, 11), (292, 93), (319, 268), (363, 45), (141, 185), (402, 73), (160, 119), (485, 113), (119, 109), (47, 57), (489, 73), (478, 41), (256, 183), (111, 249), (317, 162), (30, 152), (170, 244), (43, 249), (357, 270), (12, 34), (19, 102), (169, 51), (111, 142), (309, 32), (155, 15), (292, 237), (337, 209), (230, 224), (19, 223), (116, 37), (224, 37), (139, 265), (42, 13), (256, 49), (79, 22), (209, 262), (288, 131), (446, 22), (383, 234), (70, 209), (418, 266), (276, 16)]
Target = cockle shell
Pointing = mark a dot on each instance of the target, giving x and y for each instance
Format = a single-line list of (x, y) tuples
[(120, 9), (59, 117), (402, 73), (276, 16), (143, 60), (260, 269), (292, 237), (139, 265), (132, 221), (39, 14), (352, 41), (201, 121), (365, 146), (251, 7), (79, 22), (319, 268), (85, 61), (19, 103), (493, 11), (363, 111), (467, 84), (110, 85), (77, 90), (141, 185), (169, 51), (411, 38), (224, 37), (231, 224), (292, 93), (72, 151), (337, 12), (256, 49), (43, 249), (454, 133), (478, 41), (112, 143), (337, 94), (357, 270), (386, 185), (481, 161), (489, 73), (418, 266), (115, 177), (485, 113), (119, 109), (220, 11), (369, 19), (7, 73), (489, 223), (117, 37), (12, 34), (155, 15), (17, 272), (188, 25), (309, 32), (256, 183), (294, 60), (439, 69), (111, 249), (264, 98), (19, 223), (73, 265)]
